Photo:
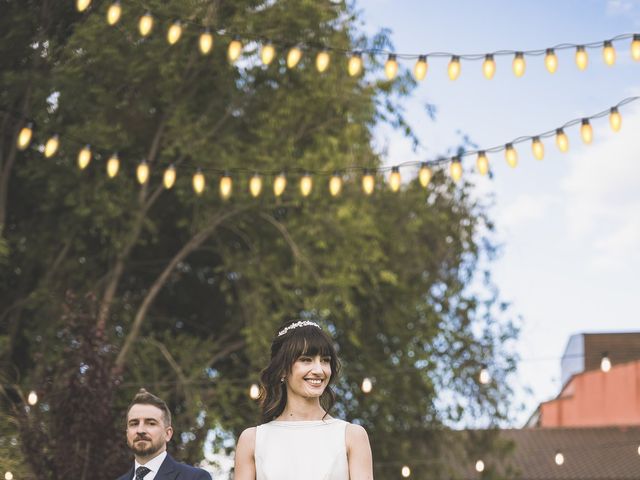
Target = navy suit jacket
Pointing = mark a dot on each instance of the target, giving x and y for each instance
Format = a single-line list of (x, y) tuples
[(172, 470)]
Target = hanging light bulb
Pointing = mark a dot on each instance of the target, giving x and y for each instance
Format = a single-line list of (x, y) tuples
[(615, 120), (538, 148), (82, 5), (335, 184), (226, 186), (519, 64), (267, 53), (25, 135), (254, 391), (169, 177), (145, 24), (205, 42), (279, 184), (51, 147), (354, 67), (421, 67), (635, 47), (114, 13), (391, 67), (405, 472), (255, 185), (456, 169), (489, 67), (174, 33), (608, 53), (8, 476), (395, 180), (551, 60), (367, 385), (454, 67), (235, 50), (84, 157), (479, 466), (293, 57), (582, 58), (32, 398), (306, 185), (605, 362), (424, 175), (484, 377), (482, 162), (559, 458), (511, 155), (586, 131), (142, 172), (198, 182), (368, 182), (322, 61), (113, 165), (562, 141)]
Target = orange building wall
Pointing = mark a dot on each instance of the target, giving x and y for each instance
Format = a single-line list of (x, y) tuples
[(596, 399)]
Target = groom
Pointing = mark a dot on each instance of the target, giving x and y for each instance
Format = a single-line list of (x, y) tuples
[(148, 431)]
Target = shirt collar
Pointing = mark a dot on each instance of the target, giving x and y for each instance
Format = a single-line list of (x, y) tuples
[(154, 464)]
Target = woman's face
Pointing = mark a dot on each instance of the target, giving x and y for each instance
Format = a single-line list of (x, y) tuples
[(309, 376)]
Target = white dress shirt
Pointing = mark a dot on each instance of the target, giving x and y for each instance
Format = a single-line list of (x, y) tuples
[(153, 465)]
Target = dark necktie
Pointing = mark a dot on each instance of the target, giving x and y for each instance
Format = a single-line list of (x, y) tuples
[(141, 472)]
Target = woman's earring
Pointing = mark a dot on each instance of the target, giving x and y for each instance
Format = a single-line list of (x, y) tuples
[(281, 379)]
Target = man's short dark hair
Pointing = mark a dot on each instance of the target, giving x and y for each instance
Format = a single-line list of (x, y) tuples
[(146, 398)]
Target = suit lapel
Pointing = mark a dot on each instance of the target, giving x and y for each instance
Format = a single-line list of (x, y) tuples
[(167, 470)]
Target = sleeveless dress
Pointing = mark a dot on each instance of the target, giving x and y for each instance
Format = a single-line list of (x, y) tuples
[(302, 450)]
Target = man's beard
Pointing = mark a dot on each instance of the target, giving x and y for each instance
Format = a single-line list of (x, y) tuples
[(143, 450)]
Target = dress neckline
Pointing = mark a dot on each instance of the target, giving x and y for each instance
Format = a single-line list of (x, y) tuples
[(302, 423)]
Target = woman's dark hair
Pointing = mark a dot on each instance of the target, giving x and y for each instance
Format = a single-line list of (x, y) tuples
[(285, 350)]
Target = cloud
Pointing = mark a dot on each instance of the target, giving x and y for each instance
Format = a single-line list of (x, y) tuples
[(525, 209)]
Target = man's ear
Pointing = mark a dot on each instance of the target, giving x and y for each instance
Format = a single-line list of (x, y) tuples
[(169, 433)]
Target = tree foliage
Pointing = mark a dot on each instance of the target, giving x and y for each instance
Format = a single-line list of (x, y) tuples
[(188, 289)]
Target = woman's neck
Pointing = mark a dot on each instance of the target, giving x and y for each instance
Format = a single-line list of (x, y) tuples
[(302, 409)]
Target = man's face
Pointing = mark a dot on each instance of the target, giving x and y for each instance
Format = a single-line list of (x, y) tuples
[(147, 434)]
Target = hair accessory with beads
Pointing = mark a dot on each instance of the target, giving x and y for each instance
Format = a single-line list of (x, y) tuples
[(301, 323)]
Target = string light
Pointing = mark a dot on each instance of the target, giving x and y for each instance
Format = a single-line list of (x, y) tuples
[(114, 13), (551, 60), (424, 175), (395, 180), (174, 33), (519, 64), (293, 57), (559, 458), (582, 58), (538, 148), (306, 185), (24, 137), (32, 398), (255, 185), (8, 476), (456, 169), (169, 177), (489, 67), (562, 141), (51, 147), (322, 61), (586, 131), (279, 184), (145, 24), (235, 50), (454, 67), (615, 120), (368, 182), (420, 68), (335, 185), (226, 186), (484, 377), (391, 67), (113, 165), (367, 385), (84, 157), (511, 155), (609, 53), (82, 5), (198, 182), (635, 47), (254, 391), (354, 67), (267, 53), (605, 363), (142, 172), (205, 42), (479, 466), (405, 472), (482, 163)]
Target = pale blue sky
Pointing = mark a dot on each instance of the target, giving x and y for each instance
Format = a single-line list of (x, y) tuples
[(570, 224)]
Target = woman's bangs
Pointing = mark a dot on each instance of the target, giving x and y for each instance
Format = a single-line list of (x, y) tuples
[(310, 341)]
